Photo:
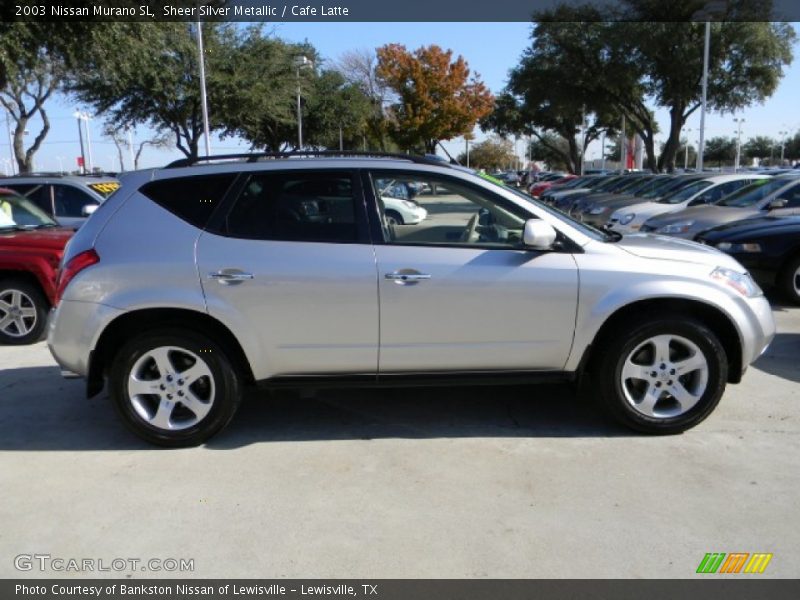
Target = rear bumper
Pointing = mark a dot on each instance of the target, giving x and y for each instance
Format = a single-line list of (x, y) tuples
[(73, 329)]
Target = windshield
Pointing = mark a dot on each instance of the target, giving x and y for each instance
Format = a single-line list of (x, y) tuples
[(588, 230), (686, 193), (645, 184), (667, 187), (749, 195), (17, 212)]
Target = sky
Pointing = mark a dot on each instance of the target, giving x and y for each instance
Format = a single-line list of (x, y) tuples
[(491, 49)]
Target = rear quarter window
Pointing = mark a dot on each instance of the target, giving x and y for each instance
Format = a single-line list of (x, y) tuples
[(193, 199)]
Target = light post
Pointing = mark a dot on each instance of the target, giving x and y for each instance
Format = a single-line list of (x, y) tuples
[(686, 151), (10, 143), (301, 61), (79, 116), (201, 61), (783, 135), (701, 143), (603, 150), (737, 162)]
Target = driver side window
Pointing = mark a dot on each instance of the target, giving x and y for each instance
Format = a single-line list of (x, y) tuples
[(420, 209)]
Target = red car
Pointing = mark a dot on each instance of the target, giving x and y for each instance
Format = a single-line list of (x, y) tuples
[(537, 189), (31, 245)]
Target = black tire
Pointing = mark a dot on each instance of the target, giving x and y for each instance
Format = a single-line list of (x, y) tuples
[(32, 297), (616, 347), (787, 280), (394, 218), (226, 384)]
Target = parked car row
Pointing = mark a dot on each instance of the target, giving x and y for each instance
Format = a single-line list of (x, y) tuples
[(705, 207), (38, 216)]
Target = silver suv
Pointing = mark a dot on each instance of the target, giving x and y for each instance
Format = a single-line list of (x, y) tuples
[(197, 280)]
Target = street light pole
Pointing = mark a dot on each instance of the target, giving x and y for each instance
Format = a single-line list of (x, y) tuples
[(86, 119), (10, 142), (737, 162), (783, 143), (686, 152), (77, 114), (203, 98), (301, 61), (701, 144)]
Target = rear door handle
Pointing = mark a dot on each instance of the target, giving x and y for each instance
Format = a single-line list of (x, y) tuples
[(407, 276), (230, 276)]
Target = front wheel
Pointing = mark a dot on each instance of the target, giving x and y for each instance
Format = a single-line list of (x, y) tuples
[(174, 388), (663, 375)]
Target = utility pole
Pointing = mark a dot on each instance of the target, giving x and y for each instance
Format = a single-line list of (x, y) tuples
[(603, 150), (701, 144), (78, 115), (686, 151), (737, 162), (201, 61), (623, 147), (783, 135), (10, 142)]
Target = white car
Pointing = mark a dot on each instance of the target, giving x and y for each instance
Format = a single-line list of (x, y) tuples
[(708, 190), (403, 212)]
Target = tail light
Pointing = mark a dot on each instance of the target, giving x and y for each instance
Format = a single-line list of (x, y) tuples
[(77, 264)]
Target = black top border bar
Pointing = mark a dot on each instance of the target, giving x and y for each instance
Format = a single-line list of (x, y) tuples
[(276, 11)]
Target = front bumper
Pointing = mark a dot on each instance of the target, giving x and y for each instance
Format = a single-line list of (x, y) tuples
[(757, 328)]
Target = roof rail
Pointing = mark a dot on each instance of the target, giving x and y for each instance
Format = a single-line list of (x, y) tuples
[(252, 157)]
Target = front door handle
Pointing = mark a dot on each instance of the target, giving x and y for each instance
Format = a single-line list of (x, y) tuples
[(230, 276), (406, 276)]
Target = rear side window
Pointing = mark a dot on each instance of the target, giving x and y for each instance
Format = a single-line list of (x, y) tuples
[(296, 206), (193, 199)]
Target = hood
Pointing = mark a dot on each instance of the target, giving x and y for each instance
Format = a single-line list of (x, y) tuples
[(48, 239), (708, 215), (758, 227), (673, 249)]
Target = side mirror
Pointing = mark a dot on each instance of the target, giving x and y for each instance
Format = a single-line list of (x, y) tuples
[(778, 203), (88, 209), (538, 234)]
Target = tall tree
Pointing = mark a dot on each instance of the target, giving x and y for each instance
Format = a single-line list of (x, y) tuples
[(644, 53), (148, 74), (336, 109), (29, 73), (759, 147), (720, 150), (491, 154), (438, 97)]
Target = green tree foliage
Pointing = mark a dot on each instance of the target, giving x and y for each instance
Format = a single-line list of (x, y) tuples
[(759, 147), (637, 59), (437, 97), (492, 154), (720, 150), (148, 74), (29, 74)]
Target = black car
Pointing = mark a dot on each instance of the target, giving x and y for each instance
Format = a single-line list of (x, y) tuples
[(769, 247)]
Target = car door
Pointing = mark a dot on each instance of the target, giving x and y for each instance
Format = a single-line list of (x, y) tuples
[(291, 267), (786, 202), (71, 204), (458, 291)]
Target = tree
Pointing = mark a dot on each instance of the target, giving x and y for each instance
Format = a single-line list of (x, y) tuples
[(759, 147), (30, 73), (359, 67), (148, 74), (336, 107), (720, 150), (491, 154), (552, 150), (438, 99), (646, 51)]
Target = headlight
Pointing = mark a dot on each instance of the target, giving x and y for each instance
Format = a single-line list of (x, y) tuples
[(598, 210), (742, 247), (679, 227), (627, 218), (741, 282)]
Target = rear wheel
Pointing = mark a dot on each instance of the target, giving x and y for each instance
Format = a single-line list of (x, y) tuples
[(789, 280), (174, 388), (663, 375), (23, 312)]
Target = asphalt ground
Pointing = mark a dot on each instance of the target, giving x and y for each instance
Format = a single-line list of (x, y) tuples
[(501, 482)]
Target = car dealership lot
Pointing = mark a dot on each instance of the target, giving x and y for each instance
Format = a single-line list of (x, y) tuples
[(478, 482)]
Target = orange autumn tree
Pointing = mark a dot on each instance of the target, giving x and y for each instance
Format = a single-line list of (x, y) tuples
[(437, 99)]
